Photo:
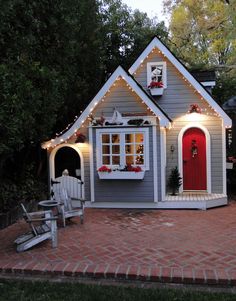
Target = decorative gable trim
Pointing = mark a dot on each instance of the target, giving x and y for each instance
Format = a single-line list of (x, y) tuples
[(156, 43), (119, 72)]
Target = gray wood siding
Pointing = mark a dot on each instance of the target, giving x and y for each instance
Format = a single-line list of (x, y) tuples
[(123, 99), (125, 190), (178, 96), (176, 101)]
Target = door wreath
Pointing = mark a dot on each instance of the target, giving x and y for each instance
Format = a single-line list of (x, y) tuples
[(194, 149)]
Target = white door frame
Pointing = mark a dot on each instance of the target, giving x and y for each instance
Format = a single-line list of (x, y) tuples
[(52, 161), (208, 152)]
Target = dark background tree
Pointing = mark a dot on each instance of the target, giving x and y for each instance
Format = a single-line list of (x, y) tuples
[(54, 56)]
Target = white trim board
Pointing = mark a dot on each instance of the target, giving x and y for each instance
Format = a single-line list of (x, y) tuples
[(202, 205), (155, 167), (156, 43), (119, 73), (91, 165)]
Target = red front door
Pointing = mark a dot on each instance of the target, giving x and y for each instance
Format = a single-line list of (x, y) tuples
[(194, 160)]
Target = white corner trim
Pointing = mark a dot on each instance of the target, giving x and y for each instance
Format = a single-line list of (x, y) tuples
[(91, 165), (163, 162), (164, 72), (208, 152), (156, 43), (224, 159), (52, 161), (155, 167), (119, 72)]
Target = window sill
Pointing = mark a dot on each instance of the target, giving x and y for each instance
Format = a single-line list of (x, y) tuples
[(157, 91), (121, 175)]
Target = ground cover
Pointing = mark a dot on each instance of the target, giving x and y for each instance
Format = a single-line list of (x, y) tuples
[(47, 291)]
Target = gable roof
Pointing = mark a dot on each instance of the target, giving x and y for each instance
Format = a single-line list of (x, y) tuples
[(156, 43), (119, 72)]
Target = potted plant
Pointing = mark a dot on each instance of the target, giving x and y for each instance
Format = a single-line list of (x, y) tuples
[(175, 181), (156, 88), (80, 138)]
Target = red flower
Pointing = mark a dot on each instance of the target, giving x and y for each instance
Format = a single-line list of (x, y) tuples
[(154, 84), (194, 108), (129, 167), (80, 138), (104, 168), (232, 159)]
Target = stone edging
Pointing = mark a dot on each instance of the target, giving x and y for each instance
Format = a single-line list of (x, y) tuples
[(121, 272)]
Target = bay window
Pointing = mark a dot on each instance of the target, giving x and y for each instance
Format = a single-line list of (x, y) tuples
[(118, 148)]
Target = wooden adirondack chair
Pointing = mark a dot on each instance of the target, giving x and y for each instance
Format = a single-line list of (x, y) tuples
[(67, 207), (43, 226)]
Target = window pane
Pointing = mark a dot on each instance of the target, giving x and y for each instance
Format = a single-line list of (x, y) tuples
[(115, 138), (129, 149), (129, 159), (105, 138), (139, 138), (139, 148), (156, 73), (106, 149), (115, 149), (129, 138), (106, 160), (139, 160), (116, 160)]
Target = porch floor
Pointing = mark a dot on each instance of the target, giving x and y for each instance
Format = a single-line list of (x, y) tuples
[(194, 200), (194, 197)]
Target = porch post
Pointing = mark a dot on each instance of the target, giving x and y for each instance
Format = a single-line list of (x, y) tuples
[(163, 162)]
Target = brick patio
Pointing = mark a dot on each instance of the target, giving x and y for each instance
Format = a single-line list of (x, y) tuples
[(179, 246)]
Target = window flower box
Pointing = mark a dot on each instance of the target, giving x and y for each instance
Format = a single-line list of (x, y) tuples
[(156, 87), (157, 91), (121, 175)]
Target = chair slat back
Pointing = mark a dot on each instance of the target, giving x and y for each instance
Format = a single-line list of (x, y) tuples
[(67, 200), (28, 218)]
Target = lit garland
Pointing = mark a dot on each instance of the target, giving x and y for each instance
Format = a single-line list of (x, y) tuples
[(130, 88)]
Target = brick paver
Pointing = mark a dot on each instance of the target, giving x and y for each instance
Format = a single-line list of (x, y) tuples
[(180, 246)]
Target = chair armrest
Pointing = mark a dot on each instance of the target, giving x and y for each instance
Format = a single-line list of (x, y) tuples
[(42, 219), (39, 213), (82, 201)]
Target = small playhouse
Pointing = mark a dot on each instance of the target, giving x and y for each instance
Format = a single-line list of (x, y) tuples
[(142, 124)]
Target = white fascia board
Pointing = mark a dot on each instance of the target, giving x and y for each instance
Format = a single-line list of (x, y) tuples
[(164, 121), (156, 43)]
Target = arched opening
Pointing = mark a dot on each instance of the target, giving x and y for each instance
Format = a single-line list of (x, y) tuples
[(67, 158)]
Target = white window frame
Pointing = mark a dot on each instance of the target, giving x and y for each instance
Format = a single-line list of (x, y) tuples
[(144, 131), (164, 73)]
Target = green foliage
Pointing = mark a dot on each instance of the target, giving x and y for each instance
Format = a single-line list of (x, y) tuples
[(16, 190), (125, 33), (174, 181), (201, 31), (225, 87), (54, 57), (37, 291)]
